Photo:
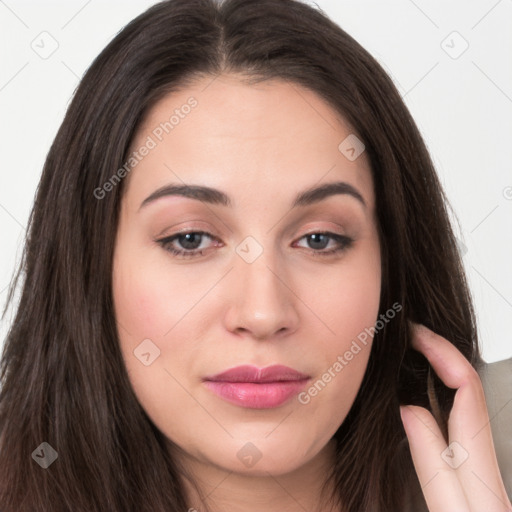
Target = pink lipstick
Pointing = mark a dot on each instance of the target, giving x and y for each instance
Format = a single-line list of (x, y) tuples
[(257, 388)]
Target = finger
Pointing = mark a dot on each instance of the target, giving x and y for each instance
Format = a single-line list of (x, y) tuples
[(439, 482), (469, 428)]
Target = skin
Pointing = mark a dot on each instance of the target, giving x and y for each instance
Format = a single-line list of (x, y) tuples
[(261, 145)]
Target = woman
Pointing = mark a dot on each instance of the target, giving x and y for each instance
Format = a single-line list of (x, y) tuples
[(236, 237)]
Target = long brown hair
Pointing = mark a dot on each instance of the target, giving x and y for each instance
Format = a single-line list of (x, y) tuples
[(62, 373)]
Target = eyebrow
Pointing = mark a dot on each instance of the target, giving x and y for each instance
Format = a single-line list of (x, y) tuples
[(217, 197)]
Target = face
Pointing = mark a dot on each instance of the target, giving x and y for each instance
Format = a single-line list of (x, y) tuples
[(259, 274)]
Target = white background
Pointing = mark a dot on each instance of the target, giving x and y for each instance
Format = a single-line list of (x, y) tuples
[(463, 107)]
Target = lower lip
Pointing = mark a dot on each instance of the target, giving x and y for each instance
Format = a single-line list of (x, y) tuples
[(265, 395)]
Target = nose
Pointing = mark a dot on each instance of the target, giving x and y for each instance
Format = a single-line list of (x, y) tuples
[(262, 303)]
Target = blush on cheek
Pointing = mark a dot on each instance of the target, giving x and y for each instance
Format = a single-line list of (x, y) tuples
[(140, 309)]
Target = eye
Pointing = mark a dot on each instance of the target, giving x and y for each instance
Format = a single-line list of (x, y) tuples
[(189, 243), (333, 242)]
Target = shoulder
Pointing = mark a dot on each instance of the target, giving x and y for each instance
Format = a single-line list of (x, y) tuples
[(497, 383)]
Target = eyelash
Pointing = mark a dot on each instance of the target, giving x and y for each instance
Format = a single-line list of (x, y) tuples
[(344, 242)]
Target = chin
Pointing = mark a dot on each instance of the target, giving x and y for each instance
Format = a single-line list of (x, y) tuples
[(261, 457)]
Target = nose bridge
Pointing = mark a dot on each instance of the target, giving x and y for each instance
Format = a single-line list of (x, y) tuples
[(255, 268), (259, 279), (262, 303)]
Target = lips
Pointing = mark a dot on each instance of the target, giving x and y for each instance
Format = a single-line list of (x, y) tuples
[(276, 373), (257, 388)]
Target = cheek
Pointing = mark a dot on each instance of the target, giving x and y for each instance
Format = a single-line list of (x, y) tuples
[(347, 299), (147, 309), (142, 305), (155, 302), (149, 298)]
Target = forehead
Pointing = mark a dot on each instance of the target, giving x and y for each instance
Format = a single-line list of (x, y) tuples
[(271, 137)]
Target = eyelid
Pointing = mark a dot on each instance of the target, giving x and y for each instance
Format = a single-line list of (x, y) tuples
[(190, 227)]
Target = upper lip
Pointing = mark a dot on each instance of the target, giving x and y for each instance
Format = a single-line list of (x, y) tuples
[(248, 373)]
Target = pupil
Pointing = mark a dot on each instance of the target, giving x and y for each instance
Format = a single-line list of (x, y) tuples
[(187, 241), (316, 241)]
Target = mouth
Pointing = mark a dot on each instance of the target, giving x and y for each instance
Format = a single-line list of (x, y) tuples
[(257, 388)]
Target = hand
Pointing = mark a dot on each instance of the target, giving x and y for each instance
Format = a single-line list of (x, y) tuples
[(463, 476)]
